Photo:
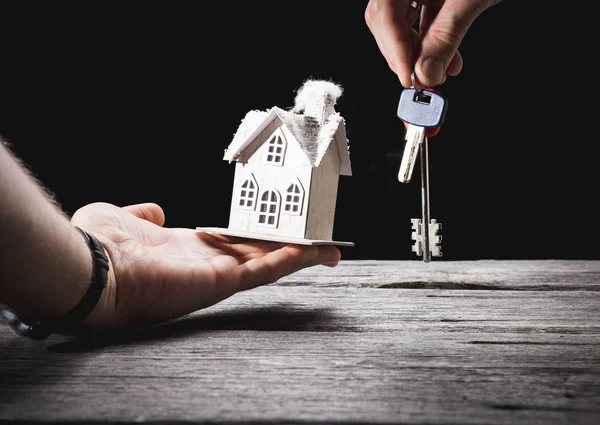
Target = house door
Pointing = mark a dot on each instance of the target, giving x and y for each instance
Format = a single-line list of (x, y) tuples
[(268, 213)]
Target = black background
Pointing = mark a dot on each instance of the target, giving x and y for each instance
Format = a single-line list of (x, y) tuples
[(137, 102)]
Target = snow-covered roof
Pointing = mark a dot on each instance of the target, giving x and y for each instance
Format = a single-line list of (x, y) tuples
[(312, 132)]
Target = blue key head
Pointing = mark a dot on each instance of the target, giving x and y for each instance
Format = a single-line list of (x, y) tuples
[(423, 108)]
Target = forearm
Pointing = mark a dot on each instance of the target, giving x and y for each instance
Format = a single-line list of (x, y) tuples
[(45, 264)]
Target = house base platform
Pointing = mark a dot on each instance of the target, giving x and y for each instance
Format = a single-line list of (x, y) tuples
[(273, 238)]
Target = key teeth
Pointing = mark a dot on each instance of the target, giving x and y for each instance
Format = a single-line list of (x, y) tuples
[(417, 248), (413, 138), (416, 236), (435, 239), (416, 226)]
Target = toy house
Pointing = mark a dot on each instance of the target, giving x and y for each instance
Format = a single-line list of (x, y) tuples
[(287, 169)]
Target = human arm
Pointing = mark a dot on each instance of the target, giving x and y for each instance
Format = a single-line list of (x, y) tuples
[(155, 273), (433, 50), (45, 264)]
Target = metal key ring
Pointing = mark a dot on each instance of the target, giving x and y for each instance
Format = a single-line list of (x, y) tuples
[(418, 89)]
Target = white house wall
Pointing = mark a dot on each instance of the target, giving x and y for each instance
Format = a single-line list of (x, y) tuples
[(295, 168), (324, 186)]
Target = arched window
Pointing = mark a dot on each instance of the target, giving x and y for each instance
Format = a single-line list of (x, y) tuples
[(275, 149), (248, 193), (294, 197), (269, 208)]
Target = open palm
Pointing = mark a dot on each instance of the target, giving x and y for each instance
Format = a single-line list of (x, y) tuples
[(158, 273)]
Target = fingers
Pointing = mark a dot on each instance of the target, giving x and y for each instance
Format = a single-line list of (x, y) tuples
[(148, 211), (239, 246), (282, 262), (328, 256), (274, 265), (390, 22), (443, 27), (455, 65)]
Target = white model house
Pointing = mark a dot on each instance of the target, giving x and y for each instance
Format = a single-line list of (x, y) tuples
[(287, 169)]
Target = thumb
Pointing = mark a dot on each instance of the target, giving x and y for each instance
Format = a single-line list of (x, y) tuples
[(443, 28), (148, 211)]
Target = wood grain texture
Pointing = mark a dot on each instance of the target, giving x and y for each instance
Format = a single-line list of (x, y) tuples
[(489, 342), (483, 274)]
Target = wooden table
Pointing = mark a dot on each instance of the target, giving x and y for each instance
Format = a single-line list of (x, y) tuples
[(470, 342)]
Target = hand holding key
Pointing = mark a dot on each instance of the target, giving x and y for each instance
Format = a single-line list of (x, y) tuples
[(423, 112), (432, 48)]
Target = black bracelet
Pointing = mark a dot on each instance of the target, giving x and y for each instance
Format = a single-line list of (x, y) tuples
[(39, 328)]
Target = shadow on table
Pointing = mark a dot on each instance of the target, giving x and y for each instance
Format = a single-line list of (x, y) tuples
[(269, 319), (26, 366)]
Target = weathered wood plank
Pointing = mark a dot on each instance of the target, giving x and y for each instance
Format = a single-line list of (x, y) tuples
[(483, 274), (336, 354)]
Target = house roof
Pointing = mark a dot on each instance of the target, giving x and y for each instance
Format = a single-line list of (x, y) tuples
[(313, 139)]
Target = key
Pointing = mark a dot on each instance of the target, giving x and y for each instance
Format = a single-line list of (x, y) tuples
[(428, 241), (423, 112), (414, 137)]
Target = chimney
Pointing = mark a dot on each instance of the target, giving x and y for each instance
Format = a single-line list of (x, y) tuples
[(317, 99)]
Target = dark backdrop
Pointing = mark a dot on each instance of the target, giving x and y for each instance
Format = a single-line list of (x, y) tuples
[(135, 102)]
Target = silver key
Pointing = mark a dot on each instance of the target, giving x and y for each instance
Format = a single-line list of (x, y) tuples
[(428, 241), (435, 239), (421, 109), (414, 137)]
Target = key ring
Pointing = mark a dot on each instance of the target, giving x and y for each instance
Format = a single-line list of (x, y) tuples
[(418, 89)]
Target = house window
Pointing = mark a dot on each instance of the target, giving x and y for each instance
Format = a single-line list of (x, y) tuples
[(294, 195), (275, 150), (248, 194), (269, 208)]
